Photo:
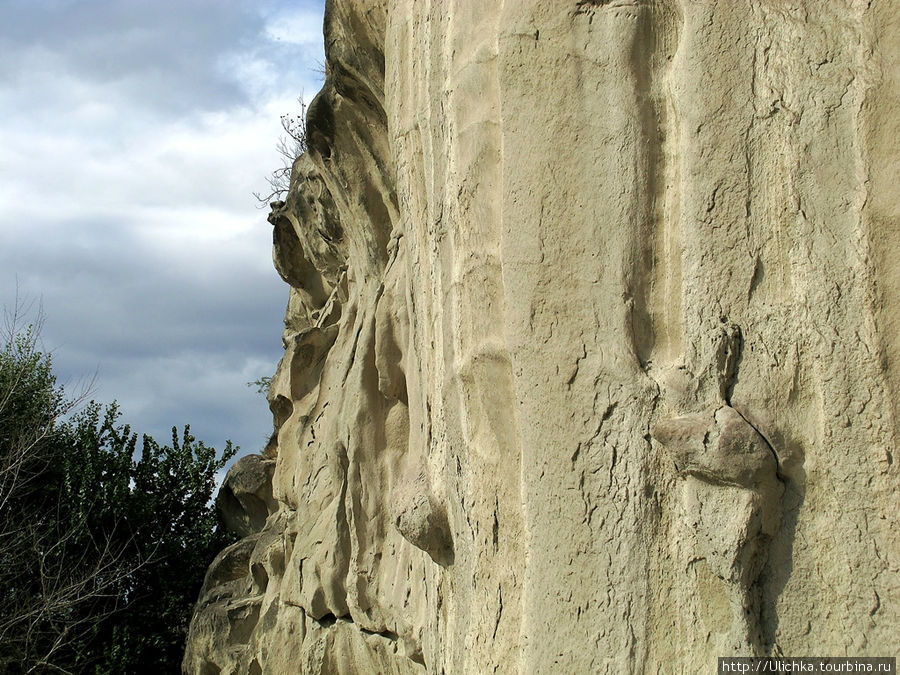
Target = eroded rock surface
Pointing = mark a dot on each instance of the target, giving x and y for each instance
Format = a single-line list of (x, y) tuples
[(591, 350)]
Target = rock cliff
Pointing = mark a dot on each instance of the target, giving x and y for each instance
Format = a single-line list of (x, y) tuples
[(592, 351)]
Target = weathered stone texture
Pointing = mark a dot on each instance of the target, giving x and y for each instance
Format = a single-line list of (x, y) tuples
[(592, 351)]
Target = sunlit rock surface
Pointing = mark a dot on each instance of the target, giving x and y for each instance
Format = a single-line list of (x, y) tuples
[(592, 346)]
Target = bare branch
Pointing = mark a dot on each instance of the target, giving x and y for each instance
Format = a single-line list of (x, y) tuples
[(290, 146)]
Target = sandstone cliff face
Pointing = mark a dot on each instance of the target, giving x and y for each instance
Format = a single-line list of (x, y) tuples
[(591, 354)]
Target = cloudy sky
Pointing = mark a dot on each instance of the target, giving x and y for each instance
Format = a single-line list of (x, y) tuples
[(132, 134)]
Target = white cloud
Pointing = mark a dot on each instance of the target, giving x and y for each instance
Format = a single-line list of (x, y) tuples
[(298, 26)]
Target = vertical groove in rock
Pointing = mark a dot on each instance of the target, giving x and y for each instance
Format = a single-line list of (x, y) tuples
[(590, 348), (663, 294)]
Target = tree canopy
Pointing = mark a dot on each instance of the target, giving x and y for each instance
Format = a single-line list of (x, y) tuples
[(104, 541)]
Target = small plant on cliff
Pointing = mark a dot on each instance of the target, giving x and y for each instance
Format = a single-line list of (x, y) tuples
[(290, 146), (102, 548), (262, 385)]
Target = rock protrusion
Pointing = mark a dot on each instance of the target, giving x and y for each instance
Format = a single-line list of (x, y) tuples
[(732, 491), (419, 515), (245, 499)]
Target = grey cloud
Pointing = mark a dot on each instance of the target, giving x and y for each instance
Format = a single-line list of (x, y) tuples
[(133, 133), (112, 297), (163, 48), (169, 56)]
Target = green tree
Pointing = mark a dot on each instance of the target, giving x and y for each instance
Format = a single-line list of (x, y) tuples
[(103, 546), (38, 595)]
